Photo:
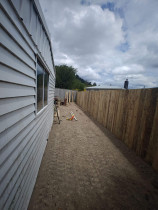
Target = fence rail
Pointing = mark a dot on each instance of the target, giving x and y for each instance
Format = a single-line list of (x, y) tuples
[(131, 115)]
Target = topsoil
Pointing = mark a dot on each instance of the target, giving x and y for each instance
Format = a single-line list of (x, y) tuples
[(86, 167)]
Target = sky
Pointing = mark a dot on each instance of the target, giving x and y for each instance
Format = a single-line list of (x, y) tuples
[(107, 41)]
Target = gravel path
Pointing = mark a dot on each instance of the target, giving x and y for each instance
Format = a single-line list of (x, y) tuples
[(85, 167)]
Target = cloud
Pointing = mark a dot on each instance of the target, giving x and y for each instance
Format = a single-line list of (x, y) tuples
[(106, 40), (130, 69)]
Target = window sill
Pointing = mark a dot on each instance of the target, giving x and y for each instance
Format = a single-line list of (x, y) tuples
[(41, 111)]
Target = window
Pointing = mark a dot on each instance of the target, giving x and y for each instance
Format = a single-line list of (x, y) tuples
[(42, 87)]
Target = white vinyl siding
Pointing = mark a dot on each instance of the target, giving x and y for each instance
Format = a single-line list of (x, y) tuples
[(23, 133)]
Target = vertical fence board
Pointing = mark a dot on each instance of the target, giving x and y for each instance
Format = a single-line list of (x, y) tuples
[(153, 144)]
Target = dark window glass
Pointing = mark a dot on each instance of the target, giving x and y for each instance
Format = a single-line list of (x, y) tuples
[(46, 79), (40, 74), (42, 87)]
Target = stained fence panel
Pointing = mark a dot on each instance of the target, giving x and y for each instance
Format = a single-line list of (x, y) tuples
[(131, 115)]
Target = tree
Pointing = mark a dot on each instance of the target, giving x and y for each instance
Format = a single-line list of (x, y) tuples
[(78, 85), (65, 75)]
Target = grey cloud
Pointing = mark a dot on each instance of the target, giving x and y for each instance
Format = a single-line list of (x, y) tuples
[(88, 37)]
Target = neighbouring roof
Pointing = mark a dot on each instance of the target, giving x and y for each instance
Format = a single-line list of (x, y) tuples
[(104, 87)]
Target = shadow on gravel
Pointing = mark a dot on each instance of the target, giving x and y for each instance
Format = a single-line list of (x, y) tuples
[(143, 168)]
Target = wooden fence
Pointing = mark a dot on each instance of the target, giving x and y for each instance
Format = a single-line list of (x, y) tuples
[(61, 94), (131, 115)]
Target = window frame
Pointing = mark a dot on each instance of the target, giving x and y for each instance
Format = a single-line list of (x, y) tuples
[(40, 63)]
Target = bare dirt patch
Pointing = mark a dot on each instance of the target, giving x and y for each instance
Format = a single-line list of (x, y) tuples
[(85, 167)]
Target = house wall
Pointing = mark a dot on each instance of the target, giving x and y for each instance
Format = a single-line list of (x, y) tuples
[(23, 131)]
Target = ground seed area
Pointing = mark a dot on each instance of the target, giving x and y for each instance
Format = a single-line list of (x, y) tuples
[(85, 167)]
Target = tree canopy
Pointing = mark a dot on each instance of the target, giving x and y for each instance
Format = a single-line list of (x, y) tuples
[(65, 75), (67, 78)]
